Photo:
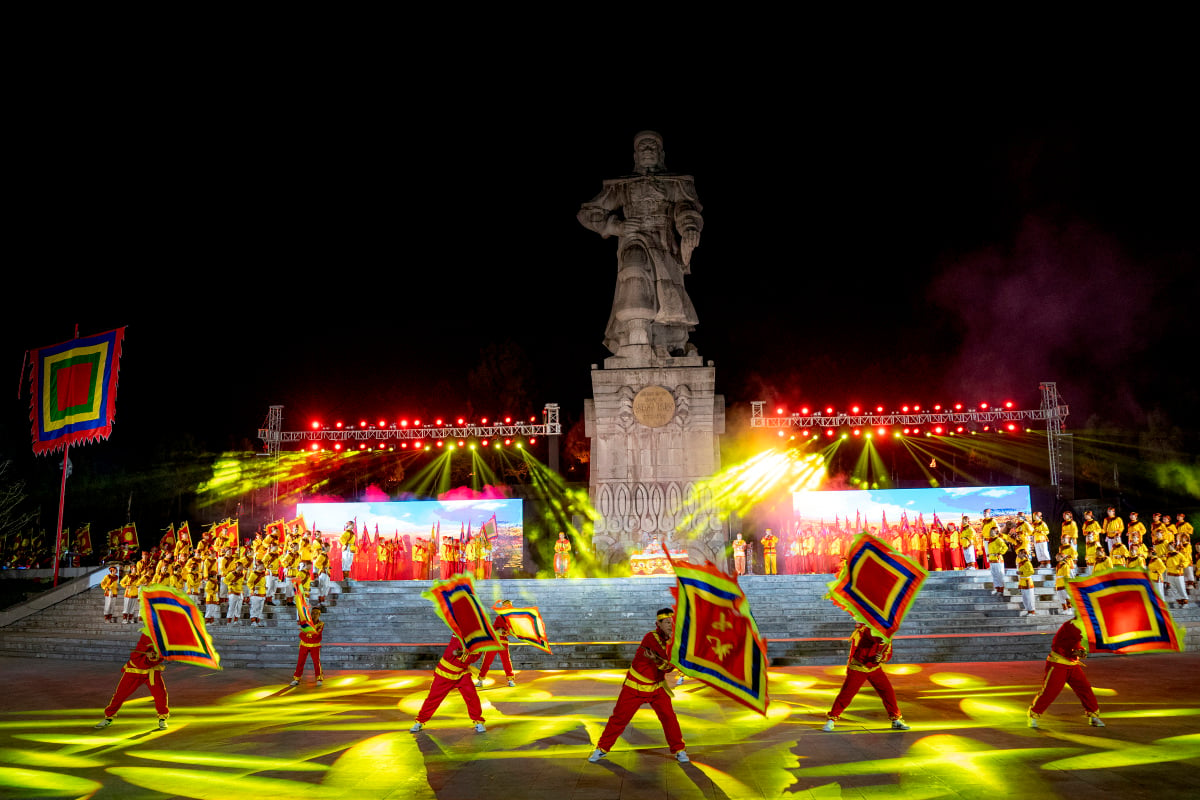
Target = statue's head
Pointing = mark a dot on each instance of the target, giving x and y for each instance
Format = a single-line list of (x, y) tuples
[(648, 152)]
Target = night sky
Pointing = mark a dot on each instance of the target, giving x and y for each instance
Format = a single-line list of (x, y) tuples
[(346, 254)]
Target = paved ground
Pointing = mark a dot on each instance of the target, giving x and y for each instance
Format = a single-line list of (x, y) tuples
[(244, 734)]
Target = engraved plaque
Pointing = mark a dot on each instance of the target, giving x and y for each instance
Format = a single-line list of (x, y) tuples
[(653, 406)]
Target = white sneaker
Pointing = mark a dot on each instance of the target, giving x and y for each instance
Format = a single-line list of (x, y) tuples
[(898, 725), (104, 723), (294, 683), (511, 682), (320, 683), (828, 726), (1032, 722), (162, 724), (416, 727), (479, 684), (1096, 722), (682, 757), (679, 681), (479, 728), (596, 755)]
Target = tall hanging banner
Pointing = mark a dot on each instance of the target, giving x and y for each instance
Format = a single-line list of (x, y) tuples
[(74, 391)]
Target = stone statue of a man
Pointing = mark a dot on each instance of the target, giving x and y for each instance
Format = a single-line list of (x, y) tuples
[(656, 217)]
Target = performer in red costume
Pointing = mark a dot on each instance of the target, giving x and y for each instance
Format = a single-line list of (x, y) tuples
[(1064, 667), (310, 647), (145, 666), (645, 683), (868, 653), (502, 627), (452, 672)]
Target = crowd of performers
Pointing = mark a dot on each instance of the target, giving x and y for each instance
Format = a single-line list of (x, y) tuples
[(232, 582), (646, 681), (1017, 543)]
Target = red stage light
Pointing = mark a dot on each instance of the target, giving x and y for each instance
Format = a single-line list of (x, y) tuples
[(958, 406), (438, 422), (461, 443), (483, 420), (484, 443), (362, 446), (857, 431), (937, 407), (904, 409), (853, 409), (316, 425), (983, 406), (1012, 426), (313, 446), (829, 432), (362, 423), (338, 424), (383, 423), (416, 422), (882, 431), (878, 409), (508, 420), (508, 441), (779, 411), (439, 442), (804, 411), (829, 409), (403, 423), (460, 421), (1008, 403), (533, 440), (937, 428)]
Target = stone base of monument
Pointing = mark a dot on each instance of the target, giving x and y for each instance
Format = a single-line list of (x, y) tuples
[(655, 431)]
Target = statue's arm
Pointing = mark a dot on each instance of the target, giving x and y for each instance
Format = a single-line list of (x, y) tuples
[(601, 213), (688, 222)]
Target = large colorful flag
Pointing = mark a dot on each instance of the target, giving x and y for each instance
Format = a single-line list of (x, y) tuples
[(1119, 612), (299, 524), (114, 539), (526, 624), (716, 640), (455, 602), (176, 625), (167, 540), (878, 585), (233, 535), (303, 609), (73, 391)]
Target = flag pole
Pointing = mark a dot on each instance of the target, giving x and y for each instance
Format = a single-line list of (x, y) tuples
[(62, 496)]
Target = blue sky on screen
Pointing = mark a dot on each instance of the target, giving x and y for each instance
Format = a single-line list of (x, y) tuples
[(413, 517), (948, 504)]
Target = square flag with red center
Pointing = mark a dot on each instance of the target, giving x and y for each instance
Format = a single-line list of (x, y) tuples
[(878, 585), (716, 640), (455, 602), (1120, 612), (177, 627)]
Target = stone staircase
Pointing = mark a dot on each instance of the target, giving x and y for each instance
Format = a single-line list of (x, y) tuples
[(593, 623)]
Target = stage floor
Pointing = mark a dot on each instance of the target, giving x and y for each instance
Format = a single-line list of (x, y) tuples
[(243, 733)]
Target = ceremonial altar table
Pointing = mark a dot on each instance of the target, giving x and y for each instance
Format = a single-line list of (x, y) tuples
[(646, 564)]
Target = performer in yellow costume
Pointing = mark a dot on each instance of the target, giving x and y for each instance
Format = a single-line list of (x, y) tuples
[(562, 556), (769, 543)]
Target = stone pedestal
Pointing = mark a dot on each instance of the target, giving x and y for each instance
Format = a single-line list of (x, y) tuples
[(654, 423)]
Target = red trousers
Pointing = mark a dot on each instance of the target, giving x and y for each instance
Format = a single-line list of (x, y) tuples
[(630, 701), (441, 687), (490, 656), (305, 652), (130, 681), (1059, 675), (854, 681)]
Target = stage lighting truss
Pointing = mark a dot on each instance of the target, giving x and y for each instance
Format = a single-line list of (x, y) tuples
[(275, 437), (1052, 411)]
